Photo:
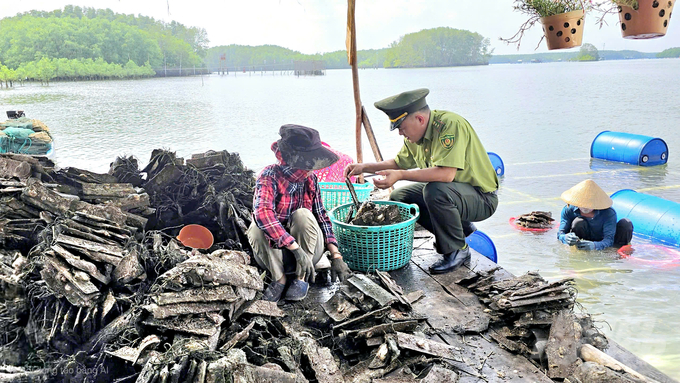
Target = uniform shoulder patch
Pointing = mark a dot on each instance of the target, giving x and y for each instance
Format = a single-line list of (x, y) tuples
[(437, 124), (447, 140)]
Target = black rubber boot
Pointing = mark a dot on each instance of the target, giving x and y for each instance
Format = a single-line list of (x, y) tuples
[(451, 261), (468, 228)]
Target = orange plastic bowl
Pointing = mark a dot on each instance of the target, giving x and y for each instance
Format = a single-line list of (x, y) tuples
[(196, 237)]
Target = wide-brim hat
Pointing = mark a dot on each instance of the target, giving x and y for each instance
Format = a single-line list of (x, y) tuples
[(399, 106), (589, 195), (301, 148)]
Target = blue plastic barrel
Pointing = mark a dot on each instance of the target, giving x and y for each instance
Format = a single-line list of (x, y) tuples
[(630, 148), (497, 163), (482, 244), (655, 218)]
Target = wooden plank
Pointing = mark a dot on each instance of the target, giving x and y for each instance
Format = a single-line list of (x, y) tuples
[(200, 325), (50, 274), (238, 337), (548, 287), (223, 293), (393, 288), (134, 201), (103, 224), (108, 189), (96, 256), (215, 270), (592, 354), (562, 348), (12, 168), (162, 312), (80, 264), (84, 285), (209, 161), (631, 360), (112, 330), (429, 347), (116, 251), (506, 304), (265, 308), (371, 289), (514, 297), (37, 195), (497, 365), (249, 373), (447, 314), (375, 313), (385, 328), (339, 308), (414, 296), (81, 234), (320, 358), (101, 233), (439, 375)]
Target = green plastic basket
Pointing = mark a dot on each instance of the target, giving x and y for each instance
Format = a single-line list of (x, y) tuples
[(336, 193), (368, 248)]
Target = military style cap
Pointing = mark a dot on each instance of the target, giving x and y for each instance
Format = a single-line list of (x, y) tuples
[(399, 106)]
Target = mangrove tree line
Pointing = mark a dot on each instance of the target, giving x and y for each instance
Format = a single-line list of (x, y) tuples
[(89, 37), (427, 48)]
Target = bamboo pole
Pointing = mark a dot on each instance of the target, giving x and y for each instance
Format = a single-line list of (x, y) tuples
[(371, 137), (352, 57)]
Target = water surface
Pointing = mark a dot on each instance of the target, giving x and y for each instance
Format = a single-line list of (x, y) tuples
[(540, 118)]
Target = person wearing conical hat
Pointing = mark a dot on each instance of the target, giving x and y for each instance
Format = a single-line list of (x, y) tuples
[(454, 182), (589, 221)]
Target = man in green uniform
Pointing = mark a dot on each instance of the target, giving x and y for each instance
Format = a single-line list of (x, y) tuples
[(454, 181)]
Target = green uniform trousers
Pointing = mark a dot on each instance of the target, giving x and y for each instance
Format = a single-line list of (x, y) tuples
[(443, 207)]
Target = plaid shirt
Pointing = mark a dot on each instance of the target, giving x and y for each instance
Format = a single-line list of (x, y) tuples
[(278, 194)]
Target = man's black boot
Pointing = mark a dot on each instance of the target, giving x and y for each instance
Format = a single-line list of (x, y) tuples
[(468, 228), (451, 261)]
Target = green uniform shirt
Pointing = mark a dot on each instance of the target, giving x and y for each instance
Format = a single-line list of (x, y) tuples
[(451, 142)]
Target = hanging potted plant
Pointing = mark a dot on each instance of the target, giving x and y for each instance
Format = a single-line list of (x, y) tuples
[(562, 20), (640, 19)]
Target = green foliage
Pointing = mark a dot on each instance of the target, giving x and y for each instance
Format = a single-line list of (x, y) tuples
[(545, 8), (628, 3), (569, 56), (588, 52), (427, 48), (438, 47), (46, 70), (76, 33), (272, 57), (669, 53)]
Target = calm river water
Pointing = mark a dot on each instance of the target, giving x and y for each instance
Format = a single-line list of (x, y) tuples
[(540, 118)]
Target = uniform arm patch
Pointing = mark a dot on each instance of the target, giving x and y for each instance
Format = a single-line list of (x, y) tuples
[(447, 141)]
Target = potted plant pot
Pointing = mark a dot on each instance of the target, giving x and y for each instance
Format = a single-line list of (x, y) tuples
[(648, 21), (564, 30), (562, 20)]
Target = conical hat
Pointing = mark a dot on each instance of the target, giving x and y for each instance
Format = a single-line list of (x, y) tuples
[(588, 195)]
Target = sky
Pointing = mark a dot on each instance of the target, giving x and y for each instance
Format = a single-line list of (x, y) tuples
[(319, 26)]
